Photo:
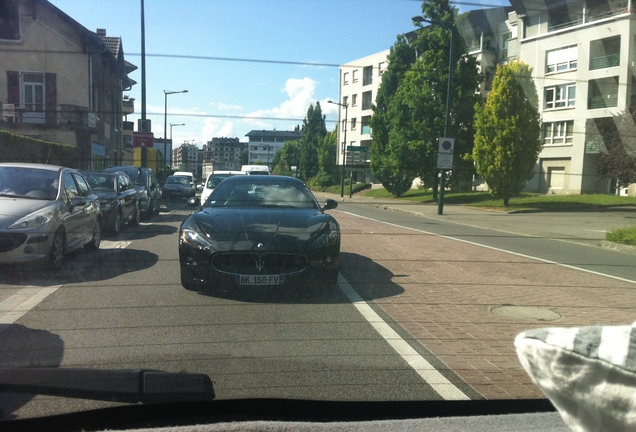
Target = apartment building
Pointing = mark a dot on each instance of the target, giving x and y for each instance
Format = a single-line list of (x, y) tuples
[(188, 157), (582, 54), (359, 83), (264, 144), (224, 153), (70, 93)]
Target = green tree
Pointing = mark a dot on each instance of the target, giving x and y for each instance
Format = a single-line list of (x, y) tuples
[(508, 129), (327, 170), (314, 131), (389, 154), (424, 91), (286, 158)]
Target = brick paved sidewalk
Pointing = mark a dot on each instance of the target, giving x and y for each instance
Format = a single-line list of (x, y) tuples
[(449, 303)]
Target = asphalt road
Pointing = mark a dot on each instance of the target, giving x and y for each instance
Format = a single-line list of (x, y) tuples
[(412, 287)]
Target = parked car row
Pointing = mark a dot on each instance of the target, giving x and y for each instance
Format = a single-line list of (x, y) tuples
[(48, 211)]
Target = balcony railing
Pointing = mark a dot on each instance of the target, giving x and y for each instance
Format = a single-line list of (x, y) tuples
[(591, 15), (606, 101), (603, 62)]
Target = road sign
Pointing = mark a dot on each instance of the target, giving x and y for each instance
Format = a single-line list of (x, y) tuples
[(143, 139), (445, 161), (446, 145)]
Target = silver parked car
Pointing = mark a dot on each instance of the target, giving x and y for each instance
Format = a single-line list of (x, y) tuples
[(46, 212)]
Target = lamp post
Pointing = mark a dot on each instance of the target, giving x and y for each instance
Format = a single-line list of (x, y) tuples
[(165, 121), (419, 19), (171, 125), (344, 145)]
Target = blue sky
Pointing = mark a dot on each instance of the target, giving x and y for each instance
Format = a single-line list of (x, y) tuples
[(247, 64)]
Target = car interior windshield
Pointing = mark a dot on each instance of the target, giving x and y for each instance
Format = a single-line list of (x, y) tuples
[(28, 183), (101, 182)]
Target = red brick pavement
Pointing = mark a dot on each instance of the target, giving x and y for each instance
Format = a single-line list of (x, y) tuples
[(443, 291)]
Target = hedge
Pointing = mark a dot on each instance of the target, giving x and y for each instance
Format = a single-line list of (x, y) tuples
[(19, 148)]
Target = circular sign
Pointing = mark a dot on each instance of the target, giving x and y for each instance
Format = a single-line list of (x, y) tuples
[(447, 145)]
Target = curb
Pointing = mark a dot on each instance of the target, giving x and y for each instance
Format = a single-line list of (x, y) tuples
[(618, 247)]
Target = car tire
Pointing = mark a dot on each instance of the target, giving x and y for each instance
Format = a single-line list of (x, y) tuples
[(57, 252), (137, 217), (96, 240), (117, 223), (146, 215)]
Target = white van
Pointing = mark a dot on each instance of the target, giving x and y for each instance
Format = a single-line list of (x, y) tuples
[(213, 180), (255, 169)]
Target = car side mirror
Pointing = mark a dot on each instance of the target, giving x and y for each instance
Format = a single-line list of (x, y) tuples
[(194, 202), (330, 204)]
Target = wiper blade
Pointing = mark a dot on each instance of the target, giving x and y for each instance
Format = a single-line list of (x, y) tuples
[(116, 385)]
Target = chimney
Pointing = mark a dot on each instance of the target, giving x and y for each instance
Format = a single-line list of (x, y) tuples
[(101, 32)]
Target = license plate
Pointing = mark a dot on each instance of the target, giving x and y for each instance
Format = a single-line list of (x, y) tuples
[(260, 280)]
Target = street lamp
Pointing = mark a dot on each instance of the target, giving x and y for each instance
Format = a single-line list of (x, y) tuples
[(165, 120), (171, 125), (344, 143), (419, 19)]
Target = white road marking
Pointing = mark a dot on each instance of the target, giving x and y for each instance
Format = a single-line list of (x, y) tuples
[(25, 299), (420, 365)]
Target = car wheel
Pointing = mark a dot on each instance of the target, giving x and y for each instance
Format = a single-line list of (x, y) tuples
[(117, 223), (96, 240), (56, 254), (148, 213), (137, 217), (157, 207)]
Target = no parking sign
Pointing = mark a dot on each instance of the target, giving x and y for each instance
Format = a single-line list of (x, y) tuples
[(445, 150)]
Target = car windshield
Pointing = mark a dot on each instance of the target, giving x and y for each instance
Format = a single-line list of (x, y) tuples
[(33, 183), (439, 215), (254, 193), (178, 180), (101, 182), (214, 180)]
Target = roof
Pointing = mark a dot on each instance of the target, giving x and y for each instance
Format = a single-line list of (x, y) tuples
[(274, 133)]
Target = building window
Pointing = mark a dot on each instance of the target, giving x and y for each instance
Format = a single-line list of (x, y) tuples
[(354, 100), (561, 96), (367, 100), (366, 125), (345, 78), (9, 20), (605, 53), (556, 177), (558, 132), (603, 93), (345, 99), (381, 68), (562, 59), (367, 75), (355, 75), (353, 123)]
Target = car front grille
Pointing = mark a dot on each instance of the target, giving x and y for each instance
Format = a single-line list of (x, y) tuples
[(10, 241), (259, 264)]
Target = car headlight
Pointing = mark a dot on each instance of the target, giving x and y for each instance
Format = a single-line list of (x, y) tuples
[(194, 238), (330, 237), (33, 220)]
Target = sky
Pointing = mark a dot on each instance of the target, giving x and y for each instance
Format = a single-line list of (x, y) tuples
[(246, 64)]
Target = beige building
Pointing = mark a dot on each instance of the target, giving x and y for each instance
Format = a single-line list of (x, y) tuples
[(582, 54), (61, 82), (359, 83)]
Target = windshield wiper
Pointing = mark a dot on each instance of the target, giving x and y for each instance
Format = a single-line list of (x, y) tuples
[(117, 385)]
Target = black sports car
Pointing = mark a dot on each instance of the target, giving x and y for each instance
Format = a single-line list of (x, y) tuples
[(260, 230)]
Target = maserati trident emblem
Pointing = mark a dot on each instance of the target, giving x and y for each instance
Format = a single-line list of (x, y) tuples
[(260, 264)]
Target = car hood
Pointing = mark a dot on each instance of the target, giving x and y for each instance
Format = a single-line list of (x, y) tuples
[(266, 229), (176, 186), (12, 209)]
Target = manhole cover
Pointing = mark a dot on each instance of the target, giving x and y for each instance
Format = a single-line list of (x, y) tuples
[(525, 313)]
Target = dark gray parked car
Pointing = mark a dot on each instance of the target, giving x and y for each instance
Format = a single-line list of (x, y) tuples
[(118, 198), (46, 211), (178, 187), (147, 186)]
